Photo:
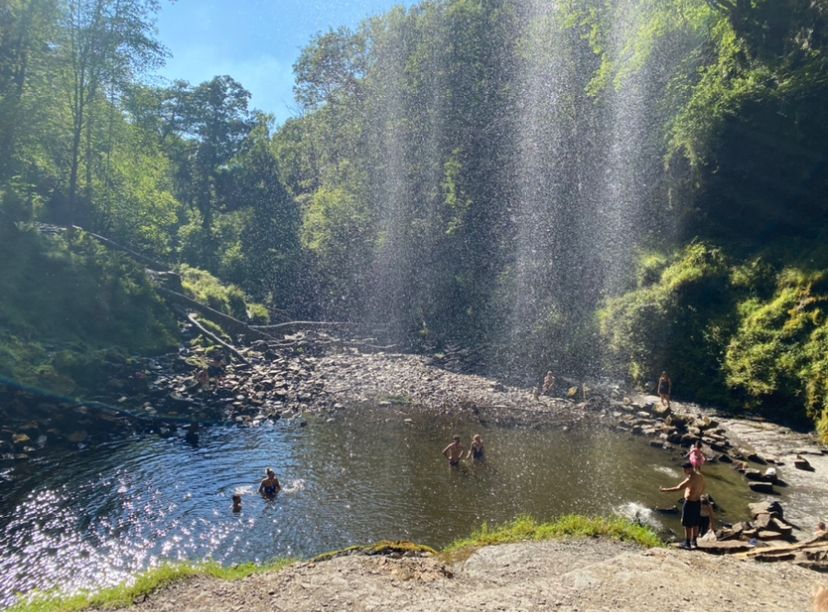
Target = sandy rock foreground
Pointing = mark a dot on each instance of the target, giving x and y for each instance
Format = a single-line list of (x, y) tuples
[(589, 574)]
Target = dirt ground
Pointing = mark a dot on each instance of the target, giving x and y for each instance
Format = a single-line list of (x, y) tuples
[(572, 575)]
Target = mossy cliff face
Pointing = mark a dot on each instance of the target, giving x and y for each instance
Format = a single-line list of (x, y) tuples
[(740, 331), (69, 307)]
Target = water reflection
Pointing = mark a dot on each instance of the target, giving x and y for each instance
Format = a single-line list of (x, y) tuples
[(94, 517)]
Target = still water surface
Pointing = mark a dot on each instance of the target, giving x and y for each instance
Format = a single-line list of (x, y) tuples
[(94, 517)]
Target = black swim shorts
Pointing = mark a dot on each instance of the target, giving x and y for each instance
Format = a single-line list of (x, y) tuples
[(691, 514)]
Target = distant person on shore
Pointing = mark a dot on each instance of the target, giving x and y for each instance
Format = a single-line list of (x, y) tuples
[(548, 383), (665, 387), (821, 599), (820, 530), (693, 485), (476, 450), (270, 486), (236, 502), (696, 456), (708, 518), (454, 451)]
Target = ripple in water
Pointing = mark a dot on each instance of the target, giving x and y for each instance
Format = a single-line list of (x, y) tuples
[(95, 517)]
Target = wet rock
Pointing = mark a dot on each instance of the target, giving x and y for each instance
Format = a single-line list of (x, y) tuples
[(761, 487), (756, 458), (800, 463), (765, 507)]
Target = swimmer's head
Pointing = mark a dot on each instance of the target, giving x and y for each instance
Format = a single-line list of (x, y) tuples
[(236, 498), (270, 473), (456, 438), (476, 437)]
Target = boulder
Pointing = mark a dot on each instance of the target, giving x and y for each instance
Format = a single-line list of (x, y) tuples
[(800, 463), (756, 458), (779, 525), (762, 521), (769, 535), (761, 487), (767, 507), (752, 474), (723, 548), (661, 411)]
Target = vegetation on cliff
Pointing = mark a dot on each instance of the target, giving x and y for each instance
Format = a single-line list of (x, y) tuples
[(476, 172)]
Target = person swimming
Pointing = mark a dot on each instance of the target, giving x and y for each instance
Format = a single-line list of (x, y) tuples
[(476, 450), (237, 503), (270, 486)]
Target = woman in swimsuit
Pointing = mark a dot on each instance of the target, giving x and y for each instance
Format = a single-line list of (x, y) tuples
[(664, 387), (476, 451), (270, 486)]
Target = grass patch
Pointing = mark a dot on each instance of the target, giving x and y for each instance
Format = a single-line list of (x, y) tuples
[(569, 526), (126, 594), (384, 547), (522, 529)]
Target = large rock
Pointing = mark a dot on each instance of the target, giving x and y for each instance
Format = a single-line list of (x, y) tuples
[(767, 507), (800, 463), (758, 475), (761, 487)]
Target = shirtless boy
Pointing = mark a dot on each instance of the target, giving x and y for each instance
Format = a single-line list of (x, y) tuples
[(693, 485), (454, 452)]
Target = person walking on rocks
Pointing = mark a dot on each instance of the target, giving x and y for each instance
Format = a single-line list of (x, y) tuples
[(693, 485), (665, 387), (696, 456), (454, 451)]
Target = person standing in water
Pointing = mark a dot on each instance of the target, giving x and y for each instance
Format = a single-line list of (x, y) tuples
[(665, 387), (476, 451), (693, 485), (454, 452), (270, 486)]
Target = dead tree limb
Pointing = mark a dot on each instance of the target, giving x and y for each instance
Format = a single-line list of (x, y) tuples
[(144, 260), (305, 324), (228, 323), (209, 334)]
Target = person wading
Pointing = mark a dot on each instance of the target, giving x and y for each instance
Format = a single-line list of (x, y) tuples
[(454, 452)]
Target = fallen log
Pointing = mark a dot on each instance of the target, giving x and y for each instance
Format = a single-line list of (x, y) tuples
[(228, 323), (144, 260), (818, 542), (306, 324), (207, 333), (351, 343)]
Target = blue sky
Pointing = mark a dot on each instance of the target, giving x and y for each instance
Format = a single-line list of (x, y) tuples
[(254, 41)]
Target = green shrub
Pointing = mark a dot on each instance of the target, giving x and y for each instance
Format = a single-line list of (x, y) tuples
[(206, 288), (778, 358), (68, 306), (679, 322)]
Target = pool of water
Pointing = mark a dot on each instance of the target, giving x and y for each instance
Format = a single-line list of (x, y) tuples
[(94, 517)]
